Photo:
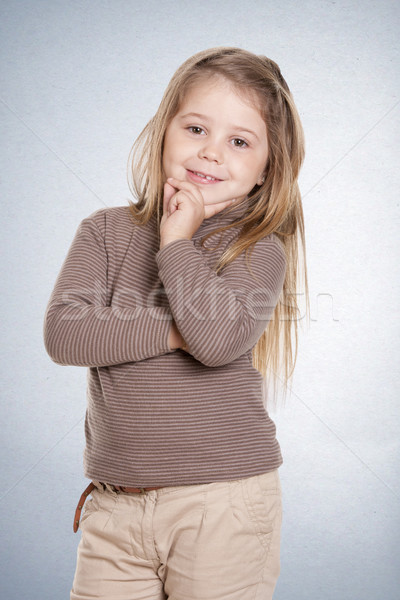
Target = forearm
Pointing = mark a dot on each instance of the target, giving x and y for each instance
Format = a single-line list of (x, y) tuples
[(221, 317), (95, 336), (89, 321)]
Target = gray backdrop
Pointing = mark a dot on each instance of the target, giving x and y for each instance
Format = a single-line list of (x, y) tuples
[(79, 81)]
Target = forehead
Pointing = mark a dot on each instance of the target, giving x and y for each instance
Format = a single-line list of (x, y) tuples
[(216, 93)]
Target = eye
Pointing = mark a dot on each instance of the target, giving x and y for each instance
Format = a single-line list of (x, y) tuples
[(196, 130), (239, 143)]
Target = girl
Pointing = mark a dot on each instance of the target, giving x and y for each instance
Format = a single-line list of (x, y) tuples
[(179, 305)]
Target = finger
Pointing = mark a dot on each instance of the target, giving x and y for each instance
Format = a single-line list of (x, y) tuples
[(186, 185), (169, 191), (178, 198)]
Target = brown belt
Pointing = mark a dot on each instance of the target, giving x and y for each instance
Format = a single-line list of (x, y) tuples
[(118, 488), (129, 490)]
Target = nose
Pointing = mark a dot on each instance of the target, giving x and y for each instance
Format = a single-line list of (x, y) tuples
[(211, 151)]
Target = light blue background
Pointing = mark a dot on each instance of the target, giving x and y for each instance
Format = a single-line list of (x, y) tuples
[(79, 80)]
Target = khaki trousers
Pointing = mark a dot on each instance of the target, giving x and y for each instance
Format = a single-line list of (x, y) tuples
[(217, 541)]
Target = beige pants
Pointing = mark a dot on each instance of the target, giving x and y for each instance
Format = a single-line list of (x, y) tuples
[(218, 541)]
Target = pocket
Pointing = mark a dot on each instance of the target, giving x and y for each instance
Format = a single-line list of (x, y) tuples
[(98, 510), (90, 507), (262, 498)]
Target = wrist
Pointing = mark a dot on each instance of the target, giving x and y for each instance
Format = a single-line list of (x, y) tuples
[(165, 241)]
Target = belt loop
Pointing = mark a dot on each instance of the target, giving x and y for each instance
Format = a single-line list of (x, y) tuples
[(99, 485), (111, 488)]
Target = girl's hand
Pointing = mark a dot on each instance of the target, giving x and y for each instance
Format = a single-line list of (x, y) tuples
[(175, 340), (184, 210)]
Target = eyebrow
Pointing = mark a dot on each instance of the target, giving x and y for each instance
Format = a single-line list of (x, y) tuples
[(205, 118)]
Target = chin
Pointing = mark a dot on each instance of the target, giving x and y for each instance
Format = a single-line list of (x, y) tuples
[(210, 201)]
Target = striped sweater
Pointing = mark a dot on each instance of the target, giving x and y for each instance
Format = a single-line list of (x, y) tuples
[(156, 416)]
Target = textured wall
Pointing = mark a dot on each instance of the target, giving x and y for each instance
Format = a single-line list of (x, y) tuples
[(79, 81)]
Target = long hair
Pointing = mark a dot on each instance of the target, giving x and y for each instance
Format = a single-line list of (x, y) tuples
[(274, 207)]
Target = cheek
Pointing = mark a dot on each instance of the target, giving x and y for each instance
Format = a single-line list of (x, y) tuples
[(169, 145), (166, 147), (247, 172), (173, 151)]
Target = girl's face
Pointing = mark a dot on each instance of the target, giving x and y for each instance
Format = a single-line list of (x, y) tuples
[(217, 141)]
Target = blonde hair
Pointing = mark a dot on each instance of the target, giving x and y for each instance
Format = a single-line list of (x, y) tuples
[(274, 207)]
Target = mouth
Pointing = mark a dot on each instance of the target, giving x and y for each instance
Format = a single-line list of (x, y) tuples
[(199, 177)]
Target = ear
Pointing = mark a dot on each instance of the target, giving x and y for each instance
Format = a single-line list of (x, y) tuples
[(261, 179)]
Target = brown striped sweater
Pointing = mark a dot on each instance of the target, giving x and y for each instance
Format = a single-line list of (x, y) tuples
[(156, 416)]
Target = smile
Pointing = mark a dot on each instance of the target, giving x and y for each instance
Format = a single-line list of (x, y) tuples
[(199, 177)]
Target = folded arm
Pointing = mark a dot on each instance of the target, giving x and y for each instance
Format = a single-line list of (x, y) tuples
[(82, 328), (221, 317)]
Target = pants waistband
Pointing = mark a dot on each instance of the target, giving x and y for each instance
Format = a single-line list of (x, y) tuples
[(126, 490)]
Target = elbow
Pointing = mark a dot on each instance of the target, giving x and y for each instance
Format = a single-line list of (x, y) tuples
[(216, 360), (53, 349), (54, 344), (217, 356), (60, 335), (211, 361), (54, 356), (48, 342), (60, 356), (229, 345)]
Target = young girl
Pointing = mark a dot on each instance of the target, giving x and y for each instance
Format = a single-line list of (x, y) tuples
[(179, 305)]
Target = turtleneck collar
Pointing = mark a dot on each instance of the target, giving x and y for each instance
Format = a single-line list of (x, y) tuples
[(221, 219), (229, 214)]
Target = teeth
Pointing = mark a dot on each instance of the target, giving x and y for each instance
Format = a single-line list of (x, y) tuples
[(205, 176)]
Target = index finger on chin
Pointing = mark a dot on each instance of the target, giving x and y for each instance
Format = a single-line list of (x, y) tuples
[(188, 186)]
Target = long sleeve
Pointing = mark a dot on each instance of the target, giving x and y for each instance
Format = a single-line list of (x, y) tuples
[(83, 326), (221, 316)]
